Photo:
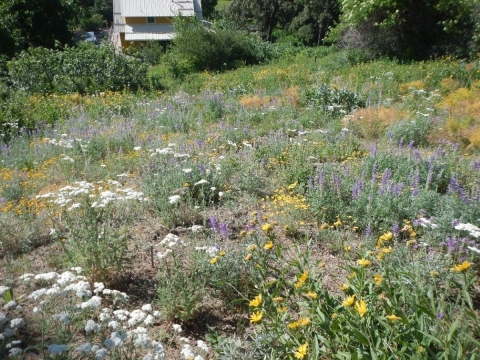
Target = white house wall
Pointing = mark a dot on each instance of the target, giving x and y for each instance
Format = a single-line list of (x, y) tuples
[(157, 8)]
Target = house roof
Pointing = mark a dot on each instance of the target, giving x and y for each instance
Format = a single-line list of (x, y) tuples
[(157, 8)]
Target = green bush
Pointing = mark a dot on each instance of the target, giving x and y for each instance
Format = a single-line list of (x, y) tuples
[(333, 100), (217, 48), (82, 69)]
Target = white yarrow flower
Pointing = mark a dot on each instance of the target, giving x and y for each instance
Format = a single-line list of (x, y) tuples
[(177, 328), (92, 326), (55, 349), (201, 182)]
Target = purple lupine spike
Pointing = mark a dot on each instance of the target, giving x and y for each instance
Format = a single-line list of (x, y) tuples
[(213, 223), (373, 151), (357, 189), (223, 230), (368, 230), (396, 229)]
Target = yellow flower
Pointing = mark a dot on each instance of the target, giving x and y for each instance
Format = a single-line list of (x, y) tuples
[(352, 275), (251, 247), (410, 243), (278, 299), (386, 237), (378, 279), (334, 316), (312, 295), (349, 301), (292, 186), (242, 233), (337, 223), (222, 253), (393, 317), (266, 228), (363, 262), (282, 309), (380, 256), (361, 307), (345, 287), (268, 246), (256, 301), (293, 325), (461, 267), (304, 276), (185, 184), (214, 260), (387, 250), (256, 317), (324, 226), (434, 273), (303, 322), (348, 248), (298, 284), (248, 257), (301, 351)]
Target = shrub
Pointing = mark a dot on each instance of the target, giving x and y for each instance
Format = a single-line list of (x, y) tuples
[(82, 69), (333, 100), (217, 48)]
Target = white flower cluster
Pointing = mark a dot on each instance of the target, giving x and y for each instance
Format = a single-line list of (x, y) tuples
[(189, 352), (210, 250), (67, 194), (170, 242), (471, 229), (124, 331)]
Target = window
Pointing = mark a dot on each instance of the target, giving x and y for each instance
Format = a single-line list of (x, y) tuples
[(150, 20)]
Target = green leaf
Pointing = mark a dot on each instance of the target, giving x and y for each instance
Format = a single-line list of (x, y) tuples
[(362, 338), (452, 330), (426, 311), (433, 338), (8, 295)]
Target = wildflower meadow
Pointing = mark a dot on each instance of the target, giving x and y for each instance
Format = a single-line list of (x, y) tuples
[(311, 208)]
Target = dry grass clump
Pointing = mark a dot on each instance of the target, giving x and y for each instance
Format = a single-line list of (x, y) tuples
[(412, 85), (371, 122)]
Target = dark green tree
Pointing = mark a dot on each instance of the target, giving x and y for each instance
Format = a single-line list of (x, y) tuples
[(208, 8), (28, 23)]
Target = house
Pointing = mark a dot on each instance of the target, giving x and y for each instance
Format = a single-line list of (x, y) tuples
[(144, 20)]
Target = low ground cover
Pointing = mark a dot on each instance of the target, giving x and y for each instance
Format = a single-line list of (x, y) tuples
[(310, 208)]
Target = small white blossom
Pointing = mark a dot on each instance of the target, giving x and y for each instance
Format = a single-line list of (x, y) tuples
[(14, 352), (98, 287), (46, 276), (147, 307), (37, 294), (10, 305), (201, 182), (92, 326), (63, 317), (84, 348), (202, 345), (3, 290), (15, 323), (114, 325), (177, 328), (174, 199), (474, 249), (55, 349), (94, 302), (187, 352), (100, 354)]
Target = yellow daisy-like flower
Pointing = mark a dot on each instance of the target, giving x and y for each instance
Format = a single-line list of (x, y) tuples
[(301, 351), (347, 248), (345, 287), (282, 309), (222, 253), (267, 228), (298, 284), (380, 256), (387, 250), (292, 186), (410, 243), (268, 245), (393, 317), (363, 262), (324, 226), (256, 301), (312, 295), (248, 257), (337, 223), (185, 184), (352, 275), (302, 322), (251, 247), (461, 267), (349, 301), (256, 317), (386, 237), (292, 325), (304, 277), (378, 279), (361, 307), (278, 299), (214, 260)]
